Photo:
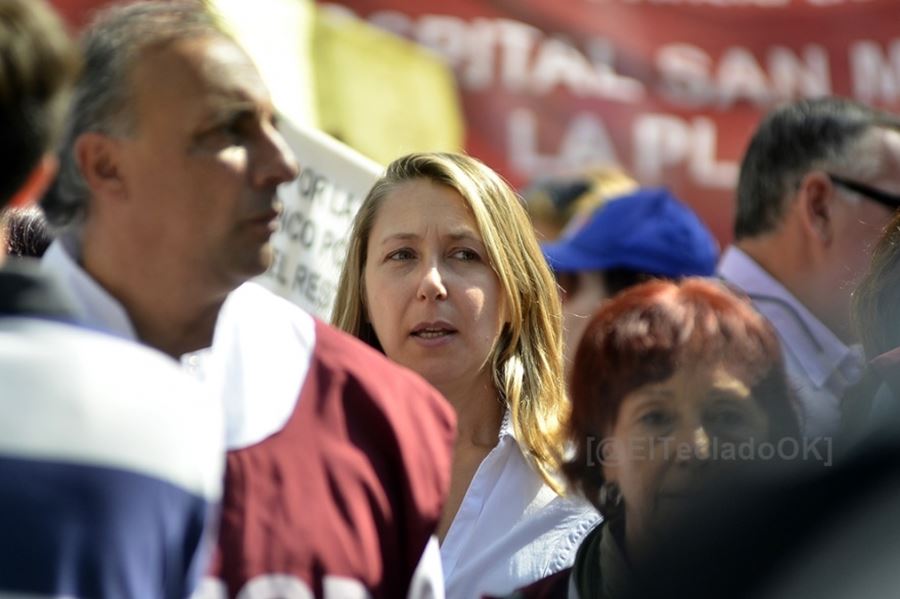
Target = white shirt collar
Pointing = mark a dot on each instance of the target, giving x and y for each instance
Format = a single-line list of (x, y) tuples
[(816, 348), (511, 529), (262, 345), (97, 308)]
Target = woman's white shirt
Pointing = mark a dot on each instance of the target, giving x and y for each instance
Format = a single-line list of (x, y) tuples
[(511, 528)]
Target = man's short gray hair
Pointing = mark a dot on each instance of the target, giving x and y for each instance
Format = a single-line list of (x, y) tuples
[(102, 101), (791, 141)]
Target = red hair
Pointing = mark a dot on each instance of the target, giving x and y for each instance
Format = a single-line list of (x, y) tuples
[(646, 333)]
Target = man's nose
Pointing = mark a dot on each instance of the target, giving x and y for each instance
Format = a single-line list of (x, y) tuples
[(275, 162)]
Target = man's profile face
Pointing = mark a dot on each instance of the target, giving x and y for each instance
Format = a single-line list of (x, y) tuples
[(201, 168)]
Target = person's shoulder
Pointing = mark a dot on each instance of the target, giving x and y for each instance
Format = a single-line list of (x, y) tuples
[(355, 356), (252, 306), (415, 409), (573, 519), (253, 316), (573, 507), (370, 368), (93, 350), (87, 395), (253, 311), (405, 416)]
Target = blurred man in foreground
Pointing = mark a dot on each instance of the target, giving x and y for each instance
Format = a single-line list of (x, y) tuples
[(339, 461), (111, 459)]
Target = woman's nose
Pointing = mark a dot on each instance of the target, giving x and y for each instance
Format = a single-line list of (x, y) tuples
[(701, 443), (432, 287), (694, 444)]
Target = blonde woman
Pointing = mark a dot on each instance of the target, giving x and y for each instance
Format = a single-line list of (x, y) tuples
[(445, 276)]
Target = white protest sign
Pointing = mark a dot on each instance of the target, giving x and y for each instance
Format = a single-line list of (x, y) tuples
[(318, 209)]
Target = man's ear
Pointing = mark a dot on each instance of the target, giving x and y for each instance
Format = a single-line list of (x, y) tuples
[(39, 179), (97, 156), (816, 209)]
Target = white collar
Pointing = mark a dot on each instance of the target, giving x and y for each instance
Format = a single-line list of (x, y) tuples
[(817, 349), (97, 308), (262, 346)]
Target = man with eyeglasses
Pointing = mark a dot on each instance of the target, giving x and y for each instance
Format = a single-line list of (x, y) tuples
[(818, 183)]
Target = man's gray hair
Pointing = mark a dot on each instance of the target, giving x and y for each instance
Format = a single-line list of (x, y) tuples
[(102, 102), (811, 134)]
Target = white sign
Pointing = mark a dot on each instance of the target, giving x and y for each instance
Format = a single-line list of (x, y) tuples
[(318, 209)]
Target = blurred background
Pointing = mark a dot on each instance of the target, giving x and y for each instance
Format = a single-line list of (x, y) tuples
[(666, 92)]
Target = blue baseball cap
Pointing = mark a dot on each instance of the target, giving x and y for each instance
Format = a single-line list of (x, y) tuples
[(649, 231)]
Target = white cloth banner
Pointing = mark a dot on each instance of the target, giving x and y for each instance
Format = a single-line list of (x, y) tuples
[(319, 206)]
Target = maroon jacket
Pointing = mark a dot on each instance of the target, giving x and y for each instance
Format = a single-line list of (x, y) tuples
[(351, 489)]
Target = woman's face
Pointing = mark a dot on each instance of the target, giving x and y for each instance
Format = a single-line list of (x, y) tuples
[(668, 436), (431, 294)]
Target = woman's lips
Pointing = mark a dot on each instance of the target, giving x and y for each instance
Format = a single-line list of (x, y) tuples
[(433, 333)]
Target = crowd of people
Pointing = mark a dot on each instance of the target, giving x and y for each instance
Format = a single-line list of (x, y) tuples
[(598, 406)]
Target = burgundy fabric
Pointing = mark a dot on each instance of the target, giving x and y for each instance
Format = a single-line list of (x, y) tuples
[(351, 487)]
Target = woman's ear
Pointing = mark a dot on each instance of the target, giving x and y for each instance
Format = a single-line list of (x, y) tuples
[(37, 182)]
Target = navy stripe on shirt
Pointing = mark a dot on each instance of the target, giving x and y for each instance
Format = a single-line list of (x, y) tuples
[(89, 531)]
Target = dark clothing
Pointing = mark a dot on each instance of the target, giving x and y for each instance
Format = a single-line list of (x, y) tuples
[(812, 531), (24, 291)]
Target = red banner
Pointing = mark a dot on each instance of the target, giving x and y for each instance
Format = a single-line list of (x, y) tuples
[(670, 90)]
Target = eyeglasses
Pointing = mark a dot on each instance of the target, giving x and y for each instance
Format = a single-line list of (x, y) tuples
[(884, 198)]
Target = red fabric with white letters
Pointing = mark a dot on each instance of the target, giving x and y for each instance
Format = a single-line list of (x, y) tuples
[(670, 90)]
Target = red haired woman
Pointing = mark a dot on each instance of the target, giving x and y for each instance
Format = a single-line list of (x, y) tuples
[(671, 382)]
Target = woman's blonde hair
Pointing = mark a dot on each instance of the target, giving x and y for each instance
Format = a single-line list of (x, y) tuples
[(527, 359)]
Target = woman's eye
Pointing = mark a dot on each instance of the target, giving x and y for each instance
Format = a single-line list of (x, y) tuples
[(402, 254), (655, 419), (466, 255), (728, 419)]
